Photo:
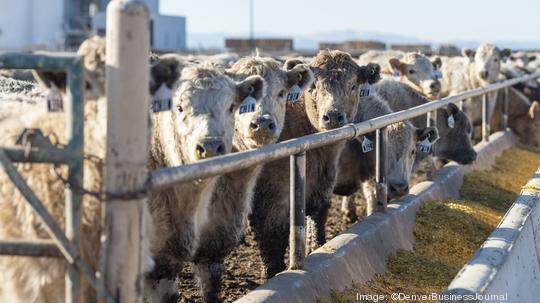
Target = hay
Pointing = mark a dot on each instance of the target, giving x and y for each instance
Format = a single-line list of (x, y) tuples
[(449, 232)]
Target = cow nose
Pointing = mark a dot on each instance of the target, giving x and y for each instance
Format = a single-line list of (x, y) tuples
[(399, 189), (484, 74), (333, 119), (210, 148), (435, 86), (263, 124), (470, 157)]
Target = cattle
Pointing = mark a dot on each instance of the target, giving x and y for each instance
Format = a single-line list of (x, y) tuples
[(231, 201), (199, 126), (329, 103), (25, 279), (523, 117), (453, 125), (475, 69), (357, 161), (414, 69)]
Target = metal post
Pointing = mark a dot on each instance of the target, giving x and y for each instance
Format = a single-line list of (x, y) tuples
[(297, 235), (504, 109), (380, 169), (251, 26), (123, 239), (429, 118), (485, 119), (75, 135), (460, 105)]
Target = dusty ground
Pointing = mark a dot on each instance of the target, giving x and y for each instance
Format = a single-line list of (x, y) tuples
[(449, 232)]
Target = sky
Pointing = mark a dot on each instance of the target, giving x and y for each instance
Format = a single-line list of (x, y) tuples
[(434, 21)]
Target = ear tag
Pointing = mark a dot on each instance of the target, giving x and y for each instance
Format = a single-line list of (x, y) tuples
[(54, 100), (395, 74), (162, 99), (365, 90), (367, 145), (248, 105), (451, 121), (438, 74), (294, 93), (425, 145)]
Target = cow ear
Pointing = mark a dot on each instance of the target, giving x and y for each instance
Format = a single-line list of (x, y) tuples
[(300, 75), (397, 66), (430, 133), (370, 73), (534, 109), (506, 53), (532, 58), (252, 86), (291, 63), (437, 63), (469, 53), (452, 109), (165, 69), (51, 79)]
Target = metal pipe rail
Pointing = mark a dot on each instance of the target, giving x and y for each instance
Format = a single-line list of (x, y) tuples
[(166, 177)]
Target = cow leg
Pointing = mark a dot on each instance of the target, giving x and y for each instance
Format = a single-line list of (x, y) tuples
[(320, 221), (348, 209), (270, 224), (160, 285), (208, 275)]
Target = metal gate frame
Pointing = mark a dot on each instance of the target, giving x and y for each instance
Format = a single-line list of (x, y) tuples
[(65, 243)]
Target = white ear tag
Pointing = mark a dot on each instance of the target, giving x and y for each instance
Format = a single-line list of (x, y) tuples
[(367, 145), (395, 73), (162, 99), (248, 105), (365, 90), (451, 121), (438, 74), (294, 93), (54, 100), (425, 145)]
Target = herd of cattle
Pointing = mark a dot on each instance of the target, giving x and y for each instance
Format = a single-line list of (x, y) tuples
[(237, 104)]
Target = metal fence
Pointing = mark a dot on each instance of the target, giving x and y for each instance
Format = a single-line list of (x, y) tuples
[(66, 243)]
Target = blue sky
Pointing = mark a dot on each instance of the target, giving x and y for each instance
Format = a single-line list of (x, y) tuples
[(515, 20)]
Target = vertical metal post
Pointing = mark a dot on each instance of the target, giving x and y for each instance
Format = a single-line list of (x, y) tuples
[(123, 239), (251, 26), (297, 235), (429, 118), (485, 119), (460, 105), (380, 169), (75, 136), (504, 110)]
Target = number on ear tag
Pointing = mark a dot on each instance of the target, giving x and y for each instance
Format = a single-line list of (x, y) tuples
[(162, 99), (365, 90), (294, 94), (425, 145), (54, 100), (248, 105), (451, 121), (367, 145)]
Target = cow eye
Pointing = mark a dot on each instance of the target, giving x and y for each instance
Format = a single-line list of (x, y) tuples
[(413, 152), (353, 87), (231, 109), (281, 94), (180, 109), (412, 71)]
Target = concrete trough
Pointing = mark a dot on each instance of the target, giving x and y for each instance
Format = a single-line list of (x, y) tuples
[(506, 268), (360, 252)]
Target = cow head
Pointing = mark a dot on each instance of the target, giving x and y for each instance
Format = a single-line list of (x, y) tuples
[(420, 72)]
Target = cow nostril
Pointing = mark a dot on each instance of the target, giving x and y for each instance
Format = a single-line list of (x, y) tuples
[(325, 118), (271, 126), (220, 149), (200, 149), (340, 118), (253, 125)]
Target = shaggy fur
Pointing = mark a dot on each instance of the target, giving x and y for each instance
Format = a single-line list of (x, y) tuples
[(204, 103), (477, 69), (454, 143), (231, 201), (414, 69), (357, 167), (335, 90)]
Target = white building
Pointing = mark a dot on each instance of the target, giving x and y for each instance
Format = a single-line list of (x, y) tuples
[(64, 24), (166, 32)]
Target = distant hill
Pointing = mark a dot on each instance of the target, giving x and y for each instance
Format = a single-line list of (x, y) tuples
[(311, 41)]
